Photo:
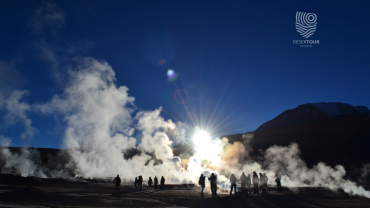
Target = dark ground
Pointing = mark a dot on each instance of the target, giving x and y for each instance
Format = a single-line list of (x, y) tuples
[(34, 192)]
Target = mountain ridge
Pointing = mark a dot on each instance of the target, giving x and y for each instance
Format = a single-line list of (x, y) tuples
[(334, 133), (320, 110)]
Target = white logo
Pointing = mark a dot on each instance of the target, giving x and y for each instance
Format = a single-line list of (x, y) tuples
[(305, 23)]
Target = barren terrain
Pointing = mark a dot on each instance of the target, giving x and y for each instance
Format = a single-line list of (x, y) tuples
[(35, 192)]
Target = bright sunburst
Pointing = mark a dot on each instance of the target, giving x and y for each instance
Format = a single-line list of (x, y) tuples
[(206, 148)]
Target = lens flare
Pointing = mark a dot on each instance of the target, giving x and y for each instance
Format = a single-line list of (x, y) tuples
[(181, 96), (207, 148), (162, 61), (171, 75)]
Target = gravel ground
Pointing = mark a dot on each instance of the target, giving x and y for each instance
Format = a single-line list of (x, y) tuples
[(17, 192)]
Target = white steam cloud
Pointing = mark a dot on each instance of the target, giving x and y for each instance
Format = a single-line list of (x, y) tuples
[(4, 141), (100, 125), (288, 161), (49, 15), (11, 101), (16, 111), (23, 163)]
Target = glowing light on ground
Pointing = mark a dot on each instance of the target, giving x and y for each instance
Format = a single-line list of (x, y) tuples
[(207, 148)]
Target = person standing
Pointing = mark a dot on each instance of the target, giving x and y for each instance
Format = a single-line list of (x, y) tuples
[(213, 180), (202, 183), (150, 182), (265, 179), (255, 182), (135, 182), (233, 184), (261, 183), (118, 183), (248, 184), (243, 181), (162, 182), (140, 182), (278, 183), (155, 182)]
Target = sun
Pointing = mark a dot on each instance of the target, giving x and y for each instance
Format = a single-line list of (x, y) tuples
[(201, 138), (207, 148)]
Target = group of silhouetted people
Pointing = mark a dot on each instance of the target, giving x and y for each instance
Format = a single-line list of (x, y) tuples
[(213, 181), (258, 182), (139, 181), (246, 183)]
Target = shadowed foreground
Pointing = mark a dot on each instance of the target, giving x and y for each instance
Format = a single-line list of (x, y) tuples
[(34, 192)]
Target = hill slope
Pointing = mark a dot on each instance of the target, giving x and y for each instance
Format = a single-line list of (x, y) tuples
[(335, 133)]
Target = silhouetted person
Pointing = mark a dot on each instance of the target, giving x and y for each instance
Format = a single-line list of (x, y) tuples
[(248, 184), (261, 182), (233, 184), (140, 182), (278, 183), (202, 183), (150, 182), (213, 180), (135, 182), (255, 182), (265, 179), (118, 182), (155, 182), (243, 181), (162, 183)]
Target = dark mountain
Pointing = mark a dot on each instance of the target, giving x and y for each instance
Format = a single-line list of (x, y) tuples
[(335, 133)]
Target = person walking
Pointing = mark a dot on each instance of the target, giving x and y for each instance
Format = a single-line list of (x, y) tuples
[(150, 182), (140, 182), (278, 183), (213, 181), (162, 182), (155, 182), (243, 181), (117, 180), (202, 183), (233, 184)]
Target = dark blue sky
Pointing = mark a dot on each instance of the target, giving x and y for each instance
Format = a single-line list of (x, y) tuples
[(236, 59)]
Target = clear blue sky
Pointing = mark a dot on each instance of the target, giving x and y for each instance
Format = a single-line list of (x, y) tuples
[(236, 59)]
